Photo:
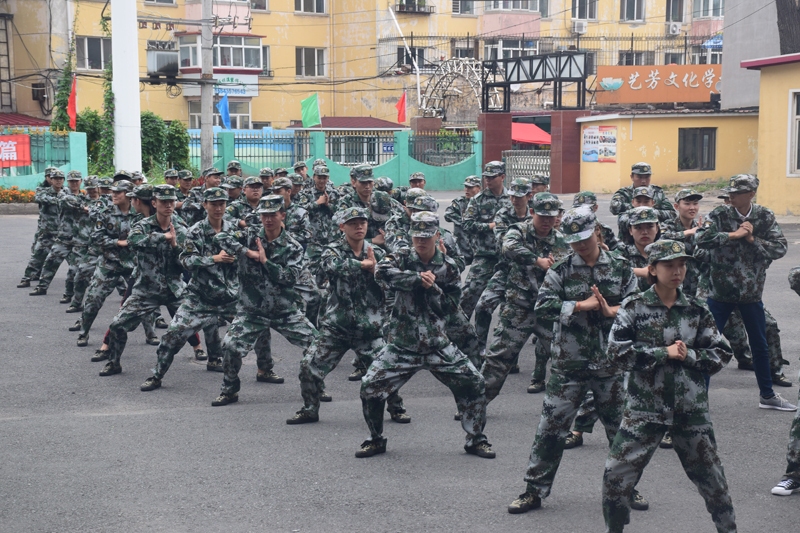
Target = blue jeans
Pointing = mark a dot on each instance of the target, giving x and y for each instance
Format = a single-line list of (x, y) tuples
[(755, 325)]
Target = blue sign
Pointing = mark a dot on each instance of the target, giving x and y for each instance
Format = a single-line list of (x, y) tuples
[(388, 148)]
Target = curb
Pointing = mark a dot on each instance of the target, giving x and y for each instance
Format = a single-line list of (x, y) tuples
[(19, 209)]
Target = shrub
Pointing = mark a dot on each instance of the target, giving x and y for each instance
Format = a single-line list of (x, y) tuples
[(15, 195)]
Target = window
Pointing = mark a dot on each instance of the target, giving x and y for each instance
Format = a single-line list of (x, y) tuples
[(261, 5), (171, 2), (697, 148), (702, 56), (403, 58), (631, 58), (508, 48), (632, 10), (310, 62), (239, 111), (309, 6), (232, 51), (674, 10), (465, 53), (464, 7), (709, 8), (673, 58), (92, 53), (267, 69), (517, 5), (584, 9), (794, 146), (591, 63), (261, 125), (188, 51)]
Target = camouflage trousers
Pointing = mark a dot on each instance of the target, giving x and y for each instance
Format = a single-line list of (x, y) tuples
[(480, 273), (248, 331), (634, 446), (493, 295), (516, 325), (104, 281), (462, 334), (192, 316), (41, 249), (793, 452), (463, 243), (322, 357), (83, 276), (312, 300), (393, 367), (137, 308), (564, 394), (737, 336), (58, 253), (587, 415)]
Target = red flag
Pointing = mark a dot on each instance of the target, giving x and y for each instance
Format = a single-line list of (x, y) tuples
[(401, 108), (72, 110)]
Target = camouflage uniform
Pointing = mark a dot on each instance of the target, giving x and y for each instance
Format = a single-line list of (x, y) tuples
[(380, 210), (793, 448), (384, 184), (672, 230), (623, 199), (590, 199), (666, 394), (48, 200), (90, 250), (319, 221), (455, 214)]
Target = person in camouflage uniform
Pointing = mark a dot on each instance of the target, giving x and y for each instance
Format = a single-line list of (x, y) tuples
[(644, 230), (669, 342), (455, 214), (48, 200), (266, 175), (683, 228), (192, 211), (45, 186), (608, 238), (642, 197), (415, 181), (297, 186), (353, 319), (397, 226), (378, 203), (184, 189), (743, 239), (578, 300), (234, 168), (320, 201), (478, 222), (245, 210), (233, 187), (640, 176), (423, 279), (269, 263), (384, 184)]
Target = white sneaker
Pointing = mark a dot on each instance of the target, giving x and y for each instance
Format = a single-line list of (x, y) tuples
[(776, 402), (786, 487)]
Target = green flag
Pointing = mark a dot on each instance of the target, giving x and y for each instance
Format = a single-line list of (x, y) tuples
[(309, 110)]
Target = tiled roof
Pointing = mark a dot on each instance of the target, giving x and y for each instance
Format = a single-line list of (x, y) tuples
[(16, 119), (742, 110), (356, 123)]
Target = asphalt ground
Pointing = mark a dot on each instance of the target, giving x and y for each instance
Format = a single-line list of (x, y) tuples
[(81, 453)]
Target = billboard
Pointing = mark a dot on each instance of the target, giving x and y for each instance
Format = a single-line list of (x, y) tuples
[(652, 84), (600, 144)]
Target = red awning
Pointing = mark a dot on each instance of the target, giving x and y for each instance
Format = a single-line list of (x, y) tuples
[(529, 134)]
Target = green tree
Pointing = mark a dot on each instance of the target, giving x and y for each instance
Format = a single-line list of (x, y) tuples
[(90, 122), (154, 140), (177, 149)]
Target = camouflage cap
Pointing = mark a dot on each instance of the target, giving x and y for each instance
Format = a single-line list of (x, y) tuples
[(233, 182), (270, 204), (584, 198), (384, 184), (266, 172), (296, 179), (213, 171), (540, 179), (252, 181), (215, 194), (472, 181), (520, 187), (142, 192), (234, 165), (318, 162), (48, 170), (641, 168), (138, 176), (321, 170), (299, 165), (643, 191), (122, 175), (74, 175), (412, 194), (665, 251), (170, 173), (416, 176), (122, 186), (362, 173), (165, 192), (56, 173), (742, 183), (687, 194), (724, 196), (425, 203), (91, 182), (281, 170), (105, 183), (281, 183), (381, 205), (546, 204), (578, 224), (494, 168), (185, 175), (353, 212), (642, 215), (424, 224)]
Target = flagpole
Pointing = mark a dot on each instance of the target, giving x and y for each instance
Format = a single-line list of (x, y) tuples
[(413, 59)]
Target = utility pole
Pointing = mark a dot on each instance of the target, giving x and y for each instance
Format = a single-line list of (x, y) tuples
[(125, 84), (206, 86)]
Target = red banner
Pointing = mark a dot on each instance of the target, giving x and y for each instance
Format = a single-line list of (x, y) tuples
[(15, 150)]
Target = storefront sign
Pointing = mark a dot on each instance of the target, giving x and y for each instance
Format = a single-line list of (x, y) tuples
[(15, 151), (657, 83), (600, 144), (245, 85)]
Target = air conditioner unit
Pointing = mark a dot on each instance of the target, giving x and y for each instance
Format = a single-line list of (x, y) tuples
[(579, 26), (673, 28), (162, 62)]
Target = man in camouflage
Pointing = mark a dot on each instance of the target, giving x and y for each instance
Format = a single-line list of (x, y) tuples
[(640, 176), (397, 226), (320, 201), (37, 266), (234, 168), (233, 187), (192, 210), (384, 184), (642, 197), (415, 181), (245, 210), (455, 214), (643, 228), (266, 175), (48, 200), (379, 204)]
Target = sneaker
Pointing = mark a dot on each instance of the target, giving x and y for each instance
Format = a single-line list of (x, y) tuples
[(225, 399), (214, 366), (666, 441), (83, 340), (152, 341), (151, 383), (110, 369), (482, 449), (161, 323), (573, 441), (24, 284), (65, 298), (524, 503), (74, 309), (38, 291), (371, 447), (638, 503), (302, 417), (200, 355), (458, 416), (781, 381), (99, 355), (746, 365), (514, 370), (268, 376), (776, 402), (325, 397), (536, 386), (786, 487), (400, 418), (357, 374), (76, 326)]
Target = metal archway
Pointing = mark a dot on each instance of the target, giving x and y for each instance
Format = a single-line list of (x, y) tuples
[(439, 86)]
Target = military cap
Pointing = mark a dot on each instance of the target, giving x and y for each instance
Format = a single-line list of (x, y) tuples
[(416, 176), (362, 173), (270, 204), (122, 175), (48, 170), (234, 165), (296, 179), (641, 168), (578, 223), (165, 192), (300, 164), (142, 192), (215, 194), (252, 182), (381, 205), (412, 194), (122, 186), (91, 182), (494, 168), (233, 182), (74, 175), (170, 173), (540, 179), (643, 191), (318, 162), (741, 183), (266, 172), (665, 251), (281, 183), (425, 203), (642, 215), (384, 184), (472, 181), (136, 175), (584, 198), (281, 170), (212, 171), (105, 182), (546, 204), (520, 187), (724, 196), (687, 194), (56, 173), (424, 224), (185, 175), (353, 212), (321, 170)]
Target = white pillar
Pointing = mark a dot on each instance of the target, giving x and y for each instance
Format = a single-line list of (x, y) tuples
[(125, 57)]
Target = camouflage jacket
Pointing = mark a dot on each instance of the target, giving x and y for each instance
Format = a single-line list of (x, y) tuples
[(158, 271), (214, 283), (266, 290), (623, 201), (397, 232), (696, 269), (399, 193), (192, 210), (455, 213), (320, 216), (297, 223), (660, 388), (738, 269), (86, 223), (49, 208), (113, 225), (480, 213), (419, 317), (635, 260), (356, 302), (380, 208), (503, 220), (70, 214), (609, 239), (580, 339), (242, 210), (521, 247)]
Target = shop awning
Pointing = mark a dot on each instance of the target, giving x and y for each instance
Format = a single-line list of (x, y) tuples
[(715, 43), (529, 134)]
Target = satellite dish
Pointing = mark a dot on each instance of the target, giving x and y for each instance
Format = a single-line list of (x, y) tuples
[(515, 87)]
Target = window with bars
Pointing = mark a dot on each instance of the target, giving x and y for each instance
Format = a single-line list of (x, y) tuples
[(92, 53), (697, 148), (632, 10), (309, 6), (637, 58), (584, 9), (310, 62), (403, 58), (709, 8), (464, 7)]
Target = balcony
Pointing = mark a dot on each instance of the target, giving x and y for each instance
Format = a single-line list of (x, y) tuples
[(414, 6)]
